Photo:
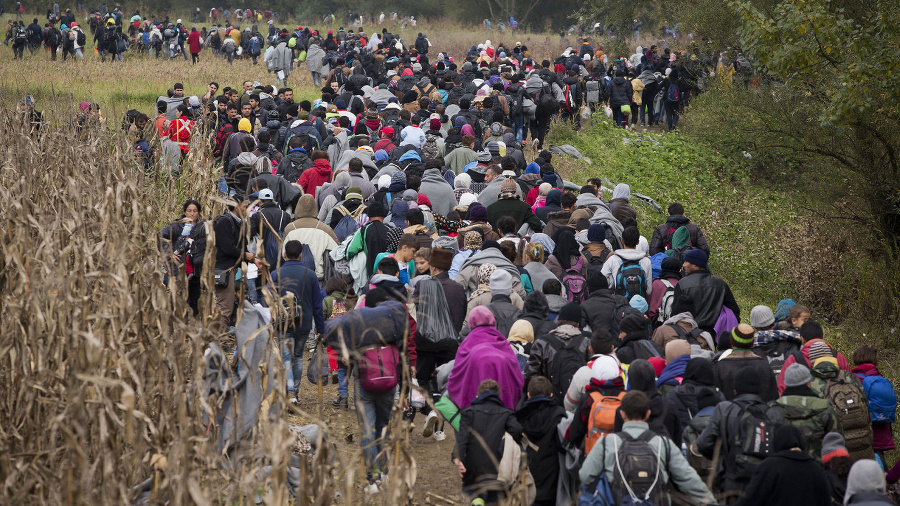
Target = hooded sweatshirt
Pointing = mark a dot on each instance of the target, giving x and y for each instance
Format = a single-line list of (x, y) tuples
[(314, 177), (616, 259), (307, 229)]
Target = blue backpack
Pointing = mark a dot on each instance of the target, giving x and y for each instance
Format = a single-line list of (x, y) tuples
[(674, 94), (631, 279), (882, 399)]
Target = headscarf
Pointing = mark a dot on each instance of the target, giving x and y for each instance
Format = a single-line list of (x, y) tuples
[(566, 247), (472, 240), (521, 331), (865, 476), (481, 316), (484, 279), (462, 181), (545, 241), (467, 130)]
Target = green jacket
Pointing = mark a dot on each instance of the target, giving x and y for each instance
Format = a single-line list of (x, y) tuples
[(814, 417), (674, 468)]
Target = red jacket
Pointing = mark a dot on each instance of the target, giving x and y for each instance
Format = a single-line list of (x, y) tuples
[(841, 362), (180, 132), (315, 176), (194, 42)]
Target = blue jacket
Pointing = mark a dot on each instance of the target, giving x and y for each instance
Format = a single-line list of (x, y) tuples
[(294, 277)]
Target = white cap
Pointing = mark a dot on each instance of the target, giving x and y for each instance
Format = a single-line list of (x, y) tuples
[(178, 22), (266, 194)]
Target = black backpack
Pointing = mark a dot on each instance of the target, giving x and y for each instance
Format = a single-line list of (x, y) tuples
[(636, 478), (631, 279), (692, 337), (514, 100), (55, 37), (594, 263), (81, 38), (568, 359), (20, 35), (754, 441)]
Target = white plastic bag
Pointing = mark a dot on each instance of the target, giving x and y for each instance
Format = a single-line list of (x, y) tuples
[(416, 399), (585, 112), (608, 111)]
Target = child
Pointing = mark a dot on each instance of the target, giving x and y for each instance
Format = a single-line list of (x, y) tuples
[(797, 316), (539, 416), (479, 443), (333, 306), (882, 400)]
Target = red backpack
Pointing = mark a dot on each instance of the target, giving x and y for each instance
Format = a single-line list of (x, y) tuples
[(378, 368)]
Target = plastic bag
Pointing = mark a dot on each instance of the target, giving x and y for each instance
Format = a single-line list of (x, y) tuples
[(433, 322), (416, 399), (585, 112), (318, 369), (302, 56), (626, 109), (608, 111)]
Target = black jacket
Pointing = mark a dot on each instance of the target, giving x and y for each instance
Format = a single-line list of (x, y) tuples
[(788, 478), (539, 417), (684, 398), (599, 311), (703, 295), (620, 92), (230, 243), (488, 418), (725, 369), (632, 349)]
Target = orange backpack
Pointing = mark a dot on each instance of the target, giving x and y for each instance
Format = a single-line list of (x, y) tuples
[(602, 419)]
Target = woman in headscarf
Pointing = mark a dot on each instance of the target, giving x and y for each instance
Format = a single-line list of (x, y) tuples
[(566, 254), (482, 295), (484, 354), (791, 476)]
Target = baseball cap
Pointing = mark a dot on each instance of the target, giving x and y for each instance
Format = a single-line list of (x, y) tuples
[(266, 194)]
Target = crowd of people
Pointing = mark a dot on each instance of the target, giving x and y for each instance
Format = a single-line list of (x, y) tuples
[(530, 308)]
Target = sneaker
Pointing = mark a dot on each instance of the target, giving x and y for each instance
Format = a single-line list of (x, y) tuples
[(430, 424), (341, 402), (439, 435), (371, 488)]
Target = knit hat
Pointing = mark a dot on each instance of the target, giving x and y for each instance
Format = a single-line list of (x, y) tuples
[(596, 233), (477, 212), (521, 331), (742, 336), (696, 257), (545, 188), (532, 168), (762, 317), (508, 187), (484, 156), (441, 259), (244, 125), (472, 240), (747, 381), (376, 210), (501, 282), (640, 303), (435, 124), (446, 242), (820, 350), (354, 193), (605, 368), (658, 364), (833, 446), (865, 476), (384, 181), (398, 177), (481, 316), (676, 348), (571, 312), (796, 375), (466, 199)]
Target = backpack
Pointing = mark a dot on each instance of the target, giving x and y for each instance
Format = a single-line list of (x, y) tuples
[(636, 479), (569, 104), (631, 279), (754, 441), (566, 362), (222, 138), (576, 285), (197, 249), (81, 38), (348, 224), (515, 100), (882, 399), (55, 37), (21, 35), (378, 366), (602, 418), (673, 94), (665, 306), (430, 148), (595, 263), (848, 398), (309, 138), (691, 337), (272, 241)]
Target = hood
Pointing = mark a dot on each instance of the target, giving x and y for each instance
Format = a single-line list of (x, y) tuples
[(306, 207), (566, 332), (681, 238), (540, 415), (322, 166), (423, 83), (247, 158), (619, 81), (433, 176), (622, 191), (297, 156), (682, 317), (556, 302), (553, 198), (699, 370), (588, 200), (630, 254), (866, 370)]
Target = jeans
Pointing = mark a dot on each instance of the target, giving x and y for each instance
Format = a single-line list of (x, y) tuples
[(183, 52), (286, 345), (343, 384), (618, 117), (519, 127), (374, 413), (251, 290), (317, 79), (298, 337)]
